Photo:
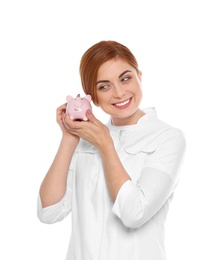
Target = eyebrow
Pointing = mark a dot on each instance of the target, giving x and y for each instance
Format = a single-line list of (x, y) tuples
[(105, 81)]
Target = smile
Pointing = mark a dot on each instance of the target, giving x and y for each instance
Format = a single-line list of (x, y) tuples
[(123, 104)]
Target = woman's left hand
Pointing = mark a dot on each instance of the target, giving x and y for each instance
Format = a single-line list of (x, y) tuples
[(92, 131)]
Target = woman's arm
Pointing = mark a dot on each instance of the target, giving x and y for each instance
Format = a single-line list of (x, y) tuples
[(53, 187), (137, 203), (114, 171)]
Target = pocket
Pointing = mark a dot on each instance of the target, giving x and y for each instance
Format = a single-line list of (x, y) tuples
[(141, 147)]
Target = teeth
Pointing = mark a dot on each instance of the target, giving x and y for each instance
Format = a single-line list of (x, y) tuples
[(123, 103)]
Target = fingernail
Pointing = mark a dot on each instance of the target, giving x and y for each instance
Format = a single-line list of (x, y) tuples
[(89, 111)]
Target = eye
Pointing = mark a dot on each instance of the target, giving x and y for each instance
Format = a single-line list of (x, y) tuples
[(103, 87), (125, 79)]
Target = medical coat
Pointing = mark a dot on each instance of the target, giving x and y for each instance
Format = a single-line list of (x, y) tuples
[(131, 228)]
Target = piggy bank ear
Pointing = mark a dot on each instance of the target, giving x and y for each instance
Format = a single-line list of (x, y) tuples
[(88, 97), (68, 98)]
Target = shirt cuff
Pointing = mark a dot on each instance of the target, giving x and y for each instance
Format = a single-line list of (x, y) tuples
[(122, 196), (50, 214)]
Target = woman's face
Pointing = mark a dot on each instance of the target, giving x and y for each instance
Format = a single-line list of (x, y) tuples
[(119, 91)]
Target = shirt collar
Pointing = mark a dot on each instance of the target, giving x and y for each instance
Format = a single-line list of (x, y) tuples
[(149, 117), (140, 137)]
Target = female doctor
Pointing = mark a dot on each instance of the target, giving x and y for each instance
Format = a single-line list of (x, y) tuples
[(117, 180)]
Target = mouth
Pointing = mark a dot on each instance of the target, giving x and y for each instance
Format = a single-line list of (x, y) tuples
[(123, 104)]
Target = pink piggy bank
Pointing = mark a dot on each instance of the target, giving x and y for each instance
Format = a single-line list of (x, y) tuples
[(76, 107)]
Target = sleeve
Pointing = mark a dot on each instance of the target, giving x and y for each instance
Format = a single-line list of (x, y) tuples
[(137, 203), (57, 212)]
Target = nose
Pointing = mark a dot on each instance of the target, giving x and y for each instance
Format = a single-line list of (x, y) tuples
[(118, 91), (78, 103)]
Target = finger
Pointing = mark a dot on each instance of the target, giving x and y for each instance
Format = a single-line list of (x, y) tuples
[(91, 117), (61, 108), (65, 119), (70, 124)]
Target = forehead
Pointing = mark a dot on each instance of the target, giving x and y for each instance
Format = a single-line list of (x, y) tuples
[(113, 68)]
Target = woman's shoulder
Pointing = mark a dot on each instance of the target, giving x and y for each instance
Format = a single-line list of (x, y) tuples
[(151, 134)]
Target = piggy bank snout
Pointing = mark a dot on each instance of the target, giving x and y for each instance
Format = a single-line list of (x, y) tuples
[(78, 103)]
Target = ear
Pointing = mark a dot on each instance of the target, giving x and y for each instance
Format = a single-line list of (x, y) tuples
[(88, 97), (140, 75), (68, 98)]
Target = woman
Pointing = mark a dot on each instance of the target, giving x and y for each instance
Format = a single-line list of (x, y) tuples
[(117, 179)]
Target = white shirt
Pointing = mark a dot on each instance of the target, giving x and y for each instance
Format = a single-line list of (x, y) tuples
[(133, 227)]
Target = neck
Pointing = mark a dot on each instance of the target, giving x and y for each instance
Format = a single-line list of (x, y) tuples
[(131, 120)]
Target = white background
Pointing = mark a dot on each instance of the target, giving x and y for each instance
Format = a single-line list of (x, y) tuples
[(178, 46)]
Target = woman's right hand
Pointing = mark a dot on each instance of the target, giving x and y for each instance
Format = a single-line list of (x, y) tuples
[(60, 115)]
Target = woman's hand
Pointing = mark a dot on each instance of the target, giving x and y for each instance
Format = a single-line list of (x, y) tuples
[(92, 131), (60, 117)]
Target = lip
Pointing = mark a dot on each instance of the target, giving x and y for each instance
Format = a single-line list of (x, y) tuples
[(125, 103)]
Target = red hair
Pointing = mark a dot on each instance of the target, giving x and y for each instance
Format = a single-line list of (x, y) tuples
[(95, 56)]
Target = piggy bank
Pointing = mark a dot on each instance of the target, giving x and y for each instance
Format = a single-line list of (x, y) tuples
[(76, 107)]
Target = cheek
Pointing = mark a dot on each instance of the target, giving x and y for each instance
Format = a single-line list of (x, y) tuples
[(103, 97), (137, 88), (138, 92), (101, 100)]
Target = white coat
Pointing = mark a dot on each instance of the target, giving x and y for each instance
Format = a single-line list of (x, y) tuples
[(133, 227)]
